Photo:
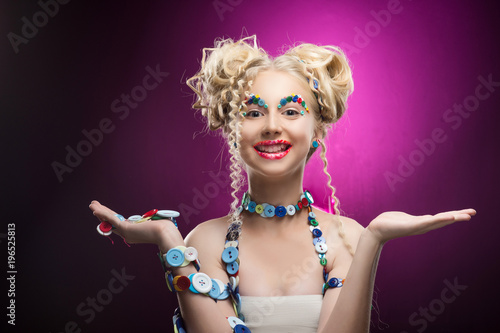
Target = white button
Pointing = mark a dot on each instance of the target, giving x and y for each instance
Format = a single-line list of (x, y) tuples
[(134, 218), (234, 281), (231, 244), (202, 283), (191, 254), (290, 210), (167, 213), (233, 321), (321, 247), (103, 233), (311, 227)]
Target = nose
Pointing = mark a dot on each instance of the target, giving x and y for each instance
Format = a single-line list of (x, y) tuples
[(273, 124)]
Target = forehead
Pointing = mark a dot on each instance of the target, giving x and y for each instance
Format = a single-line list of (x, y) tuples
[(274, 85)]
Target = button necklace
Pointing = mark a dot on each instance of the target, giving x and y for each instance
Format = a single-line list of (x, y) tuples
[(230, 253)]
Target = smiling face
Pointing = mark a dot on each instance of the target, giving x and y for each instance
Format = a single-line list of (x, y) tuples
[(275, 140)]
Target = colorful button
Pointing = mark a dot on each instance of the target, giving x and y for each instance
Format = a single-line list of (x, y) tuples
[(290, 210), (224, 293), (323, 261), (229, 255), (321, 247), (245, 200), (305, 202), (191, 254), (168, 213), (318, 240), (202, 283), (333, 282), (101, 232), (105, 226), (215, 290), (231, 243), (233, 321), (252, 206), (259, 209), (309, 197), (191, 287), (312, 215), (316, 232), (134, 218), (269, 210), (313, 222), (241, 329), (150, 213), (174, 257), (181, 282), (120, 217), (234, 281), (280, 211), (232, 268), (312, 227)]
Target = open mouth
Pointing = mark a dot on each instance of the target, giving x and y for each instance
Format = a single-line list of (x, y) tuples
[(273, 149)]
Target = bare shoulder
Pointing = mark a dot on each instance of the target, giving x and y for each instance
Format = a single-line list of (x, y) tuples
[(208, 239), (340, 230), (208, 233)]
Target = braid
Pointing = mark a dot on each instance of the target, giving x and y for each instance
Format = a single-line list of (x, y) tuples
[(335, 199)]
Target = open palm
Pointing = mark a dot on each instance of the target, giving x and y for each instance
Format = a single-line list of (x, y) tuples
[(391, 225)]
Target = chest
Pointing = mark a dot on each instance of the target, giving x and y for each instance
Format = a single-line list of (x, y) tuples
[(280, 266)]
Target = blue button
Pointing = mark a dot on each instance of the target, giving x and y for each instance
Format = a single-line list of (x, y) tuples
[(333, 282), (191, 287), (295, 98), (269, 210), (224, 294), (312, 215), (175, 257), (317, 233), (317, 240), (280, 211), (229, 255), (215, 291), (232, 268), (241, 329), (283, 101), (261, 102), (251, 206)]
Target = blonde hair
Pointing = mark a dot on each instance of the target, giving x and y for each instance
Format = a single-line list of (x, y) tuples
[(226, 76)]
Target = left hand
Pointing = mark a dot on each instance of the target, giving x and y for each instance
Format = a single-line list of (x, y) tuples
[(391, 225)]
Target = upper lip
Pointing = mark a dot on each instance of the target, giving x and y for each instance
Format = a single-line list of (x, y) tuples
[(260, 144)]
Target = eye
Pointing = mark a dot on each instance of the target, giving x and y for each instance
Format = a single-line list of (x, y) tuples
[(254, 114), (291, 112)]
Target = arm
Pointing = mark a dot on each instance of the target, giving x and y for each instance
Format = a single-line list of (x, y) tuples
[(200, 313), (351, 305)]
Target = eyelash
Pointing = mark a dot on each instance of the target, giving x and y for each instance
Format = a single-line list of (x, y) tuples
[(288, 112)]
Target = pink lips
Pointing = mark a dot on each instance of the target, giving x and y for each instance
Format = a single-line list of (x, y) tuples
[(273, 149)]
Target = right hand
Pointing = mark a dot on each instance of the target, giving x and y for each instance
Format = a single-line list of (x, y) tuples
[(160, 232)]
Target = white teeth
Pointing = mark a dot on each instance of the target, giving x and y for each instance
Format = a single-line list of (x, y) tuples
[(273, 148)]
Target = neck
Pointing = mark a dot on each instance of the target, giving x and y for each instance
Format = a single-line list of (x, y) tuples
[(283, 190)]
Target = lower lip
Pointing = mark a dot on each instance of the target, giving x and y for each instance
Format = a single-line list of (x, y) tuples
[(274, 156)]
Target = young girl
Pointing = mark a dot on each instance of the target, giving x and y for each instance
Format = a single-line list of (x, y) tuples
[(276, 263)]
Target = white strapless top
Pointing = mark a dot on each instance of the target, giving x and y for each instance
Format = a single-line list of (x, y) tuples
[(282, 314)]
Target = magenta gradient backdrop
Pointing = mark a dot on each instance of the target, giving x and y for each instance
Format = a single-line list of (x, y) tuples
[(409, 70)]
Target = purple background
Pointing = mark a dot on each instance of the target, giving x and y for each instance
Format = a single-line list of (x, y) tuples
[(407, 72)]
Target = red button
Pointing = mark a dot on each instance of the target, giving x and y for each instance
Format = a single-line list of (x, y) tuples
[(305, 202), (181, 283), (150, 213), (299, 204), (105, 226)]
